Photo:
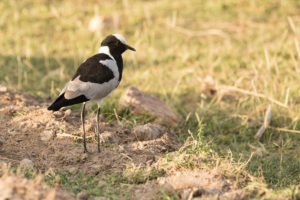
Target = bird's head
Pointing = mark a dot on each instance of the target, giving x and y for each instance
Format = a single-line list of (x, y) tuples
[(116, 44)]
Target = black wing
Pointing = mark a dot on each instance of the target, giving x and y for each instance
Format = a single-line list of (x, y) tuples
[(93, 71)]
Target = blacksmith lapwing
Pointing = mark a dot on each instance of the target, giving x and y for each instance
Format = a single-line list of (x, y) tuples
[(95, 78)]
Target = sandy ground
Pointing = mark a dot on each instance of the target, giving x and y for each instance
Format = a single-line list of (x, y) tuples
[(16, 188), (52, 140)]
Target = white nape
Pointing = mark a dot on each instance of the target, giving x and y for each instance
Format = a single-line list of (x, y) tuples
[(105, 50), (120, 37)]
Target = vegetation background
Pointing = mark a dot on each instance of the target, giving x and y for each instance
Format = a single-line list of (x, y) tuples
[(188, 54)]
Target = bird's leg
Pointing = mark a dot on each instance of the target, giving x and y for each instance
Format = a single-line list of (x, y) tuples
[(83, 128), (98, 128)]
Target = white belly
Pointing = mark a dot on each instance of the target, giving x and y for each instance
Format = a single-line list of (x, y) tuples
[(92, 91)]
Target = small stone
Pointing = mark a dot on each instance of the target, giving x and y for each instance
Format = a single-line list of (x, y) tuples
[(148, 131), (101, 183), (63, 109), (26, 163), (58, 113), (19, 140), (214, 191), (95, 168), (68, 112), (22, 124), (109, 137), (13, 132), (46, 135), (83, 195), (186, 194), (99, 198), (35, 125), (3, 89), (72, 170), (142, 102), (84, 157)]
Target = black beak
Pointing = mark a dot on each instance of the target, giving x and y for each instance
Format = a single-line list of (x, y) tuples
[(130, 48)]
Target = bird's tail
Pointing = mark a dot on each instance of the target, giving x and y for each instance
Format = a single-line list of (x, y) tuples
[(61, 101), (57, 104)]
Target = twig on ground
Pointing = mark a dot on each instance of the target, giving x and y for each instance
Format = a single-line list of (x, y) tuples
[(266, 124), (209, 84), (268, 116), (65, 135), (285, 130), (260, 132), (117, 117), (286, 101), (225, 89)]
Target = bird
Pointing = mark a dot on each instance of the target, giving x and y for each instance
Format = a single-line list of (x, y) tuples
[(96, 78)]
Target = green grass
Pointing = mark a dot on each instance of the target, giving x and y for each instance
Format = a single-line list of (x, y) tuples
[(248, 44), (90, 184)]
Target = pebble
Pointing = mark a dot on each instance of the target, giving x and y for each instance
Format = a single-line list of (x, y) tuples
[(99, 198), (101, 183), (186, 194), (68, 112), (35, 125), (142, 102), (109, 137), (84, 157), (83, 195), (148, 131), (26, 163), (72, 170), (58, 113), (214, 191), (46, 135), (3, 89)]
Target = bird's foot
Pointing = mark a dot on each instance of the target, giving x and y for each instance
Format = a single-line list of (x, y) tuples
[(85, 150)]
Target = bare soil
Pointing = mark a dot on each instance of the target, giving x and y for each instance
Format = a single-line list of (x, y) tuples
[(197, 184), (53, 141), (16, 187), (25, 124)]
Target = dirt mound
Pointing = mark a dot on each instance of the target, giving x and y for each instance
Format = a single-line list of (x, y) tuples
[(17, 187), (29, 130), (190, 184)]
